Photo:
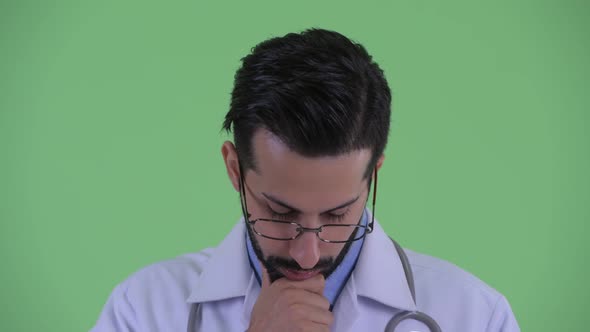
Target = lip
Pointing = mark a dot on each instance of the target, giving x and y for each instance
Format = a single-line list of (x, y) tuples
[(298, 275)]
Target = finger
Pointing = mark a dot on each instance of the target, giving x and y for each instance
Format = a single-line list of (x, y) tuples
[(323, 317), (314, 285), (314, 327), (309, 325), (304, 297)]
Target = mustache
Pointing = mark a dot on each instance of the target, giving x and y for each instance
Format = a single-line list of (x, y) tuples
[(273, 263)]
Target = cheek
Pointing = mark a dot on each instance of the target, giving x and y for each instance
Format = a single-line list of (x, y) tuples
[(331, 249), (273, 248)]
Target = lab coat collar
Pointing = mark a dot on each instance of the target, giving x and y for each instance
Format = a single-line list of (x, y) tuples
[(227, 272), (378, 275)]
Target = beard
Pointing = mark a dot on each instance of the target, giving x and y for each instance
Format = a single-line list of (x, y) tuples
[(272, 264)]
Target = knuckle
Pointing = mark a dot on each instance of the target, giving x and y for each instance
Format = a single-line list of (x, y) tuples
[(304, 327), (278, 283), (325, 303), (296, 310), (283, 300), (290, 293)]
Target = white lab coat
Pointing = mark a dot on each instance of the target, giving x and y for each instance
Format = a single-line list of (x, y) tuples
[(159, 297)]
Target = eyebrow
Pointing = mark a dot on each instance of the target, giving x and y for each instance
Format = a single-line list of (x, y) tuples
[(287, 206)]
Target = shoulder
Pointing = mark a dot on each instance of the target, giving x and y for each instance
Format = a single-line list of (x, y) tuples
[(173, 276), (154, 297), (446, 290), (435, 270)]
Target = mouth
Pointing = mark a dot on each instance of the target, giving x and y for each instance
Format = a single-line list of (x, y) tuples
[(298, 275)]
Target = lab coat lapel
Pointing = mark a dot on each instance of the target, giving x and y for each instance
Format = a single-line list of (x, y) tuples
[(346, 309), (379, 273), (227, 273)]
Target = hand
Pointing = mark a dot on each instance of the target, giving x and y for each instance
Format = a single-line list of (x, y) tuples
[(290, 306)]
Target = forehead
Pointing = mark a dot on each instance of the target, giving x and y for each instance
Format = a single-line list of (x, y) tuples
[(312, 182)]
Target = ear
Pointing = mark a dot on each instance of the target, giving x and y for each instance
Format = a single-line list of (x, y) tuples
[(230, 158), (380, 161)]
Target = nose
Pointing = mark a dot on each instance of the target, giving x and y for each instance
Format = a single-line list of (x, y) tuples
[(305, 250)]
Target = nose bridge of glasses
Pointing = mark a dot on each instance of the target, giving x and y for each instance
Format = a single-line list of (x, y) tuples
[(302, 229)]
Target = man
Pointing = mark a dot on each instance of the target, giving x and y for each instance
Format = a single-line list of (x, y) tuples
[(310, 115)]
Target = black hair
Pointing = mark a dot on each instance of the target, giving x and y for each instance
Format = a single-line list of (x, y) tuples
[(317, 91)]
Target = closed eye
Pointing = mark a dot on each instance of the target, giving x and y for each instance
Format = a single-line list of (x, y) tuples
[(337, 217), (292, 215), (288, 216)]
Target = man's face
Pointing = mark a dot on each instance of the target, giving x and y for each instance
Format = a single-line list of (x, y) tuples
[(310, 191)]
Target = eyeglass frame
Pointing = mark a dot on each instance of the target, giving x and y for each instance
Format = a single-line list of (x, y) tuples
[(301, 229)]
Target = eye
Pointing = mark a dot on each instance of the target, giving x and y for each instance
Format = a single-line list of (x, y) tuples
[(337, 217), (282, 216)]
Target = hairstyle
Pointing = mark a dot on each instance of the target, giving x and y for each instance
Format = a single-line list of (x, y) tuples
[(317, 91)]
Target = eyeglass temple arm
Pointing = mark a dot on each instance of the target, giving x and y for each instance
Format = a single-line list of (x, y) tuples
[(243, 195), (374, 200)]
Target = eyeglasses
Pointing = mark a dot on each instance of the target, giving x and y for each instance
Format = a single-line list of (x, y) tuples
[(282, 230)]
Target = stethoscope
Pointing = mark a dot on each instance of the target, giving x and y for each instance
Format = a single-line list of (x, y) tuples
[(394, 322)]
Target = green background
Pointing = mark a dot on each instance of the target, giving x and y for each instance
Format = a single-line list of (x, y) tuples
[(110, 116)]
